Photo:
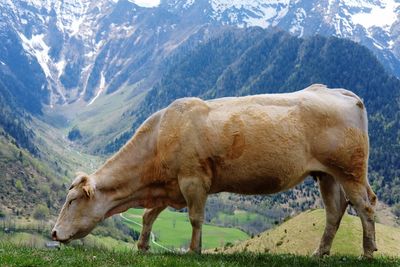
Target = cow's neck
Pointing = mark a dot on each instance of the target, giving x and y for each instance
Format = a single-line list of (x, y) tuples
[(127, 175)]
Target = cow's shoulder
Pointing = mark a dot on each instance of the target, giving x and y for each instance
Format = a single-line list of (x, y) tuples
[(187, 104), (316, 87)]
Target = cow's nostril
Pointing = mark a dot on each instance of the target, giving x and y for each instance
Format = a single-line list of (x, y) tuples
[(54, 235)]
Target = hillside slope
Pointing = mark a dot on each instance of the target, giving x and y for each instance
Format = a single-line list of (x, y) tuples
[(301, 235)]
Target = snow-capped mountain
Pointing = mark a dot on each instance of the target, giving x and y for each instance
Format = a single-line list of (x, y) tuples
[(373, 23), (86, 48)]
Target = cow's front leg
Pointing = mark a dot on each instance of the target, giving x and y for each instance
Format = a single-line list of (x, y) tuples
[(149, 216), (195, 195)]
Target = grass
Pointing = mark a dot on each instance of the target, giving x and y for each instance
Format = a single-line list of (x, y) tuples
[(36, 240), (301, 235), (240, 219), (36, 233), (23, 239), (173, 230), (68, 256)]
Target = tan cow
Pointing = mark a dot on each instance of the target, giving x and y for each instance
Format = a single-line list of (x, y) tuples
[(260, 144)]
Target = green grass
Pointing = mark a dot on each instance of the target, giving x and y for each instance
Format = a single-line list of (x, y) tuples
[(24, 239), (36, 240), (107, 243), (173, 230), (23, 256), (239, 218)]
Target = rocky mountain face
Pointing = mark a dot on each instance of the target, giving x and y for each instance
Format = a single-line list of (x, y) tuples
[(77, 50), (84, 48)]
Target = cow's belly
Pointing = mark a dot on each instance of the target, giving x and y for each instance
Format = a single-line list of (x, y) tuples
[(248, 185), (259, 176)]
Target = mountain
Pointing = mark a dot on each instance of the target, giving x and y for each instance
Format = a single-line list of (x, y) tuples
[(373, 23), (79, 50), (94, 70), (301, 235), (86, 48), (252, 61)]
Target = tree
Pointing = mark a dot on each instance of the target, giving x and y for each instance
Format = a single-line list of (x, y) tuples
[(19, 186), (74, 134), (41, 212), (396, 210), (2, 214)]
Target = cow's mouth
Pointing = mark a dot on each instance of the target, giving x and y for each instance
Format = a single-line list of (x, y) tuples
[(64, 241), (61, 240), (67, 240)]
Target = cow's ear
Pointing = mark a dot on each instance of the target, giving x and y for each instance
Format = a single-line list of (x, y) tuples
[(87, 186), (84, 181), (80, 177), (88, 190)]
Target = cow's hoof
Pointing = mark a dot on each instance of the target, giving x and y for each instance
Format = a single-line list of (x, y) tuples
[(194, 251), (366, 256), (143, 248), (320, 253)]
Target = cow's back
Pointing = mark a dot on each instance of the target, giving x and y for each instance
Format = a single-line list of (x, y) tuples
[(263, 143)]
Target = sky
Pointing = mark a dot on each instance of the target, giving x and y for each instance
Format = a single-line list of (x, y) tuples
[(146, 3)]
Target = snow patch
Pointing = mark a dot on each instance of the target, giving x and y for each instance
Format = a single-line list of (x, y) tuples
[(146, 3), (37, 47), (101, 88), (2, 63), (391, 44), (75, 25), (377, 45), (264, 16), (296, 27), (60, 66), (188, 4), (255, 12), (380, 16)]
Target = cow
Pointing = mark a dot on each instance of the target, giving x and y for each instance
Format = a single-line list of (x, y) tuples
[(259, 144)]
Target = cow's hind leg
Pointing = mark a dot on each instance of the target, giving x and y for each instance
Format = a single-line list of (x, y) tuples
[(335, 205), (363, 199), (195, 195), (149, 216)]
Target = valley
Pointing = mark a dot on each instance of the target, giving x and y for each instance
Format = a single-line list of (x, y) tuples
[(77, 79)]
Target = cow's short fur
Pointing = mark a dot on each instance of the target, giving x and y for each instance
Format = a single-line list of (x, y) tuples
[(260, 144)]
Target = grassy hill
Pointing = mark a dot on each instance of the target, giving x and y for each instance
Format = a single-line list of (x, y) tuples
[(173, 230), (301, 235)]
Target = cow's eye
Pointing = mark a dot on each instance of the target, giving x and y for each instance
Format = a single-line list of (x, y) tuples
[(70, 202)]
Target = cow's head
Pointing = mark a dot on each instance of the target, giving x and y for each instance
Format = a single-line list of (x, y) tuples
[(82, 210)]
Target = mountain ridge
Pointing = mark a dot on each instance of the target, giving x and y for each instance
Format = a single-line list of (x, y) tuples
[(84, 48)]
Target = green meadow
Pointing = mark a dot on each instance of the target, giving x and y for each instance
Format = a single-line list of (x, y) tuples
[(173, 230)]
